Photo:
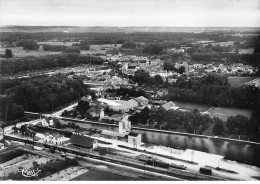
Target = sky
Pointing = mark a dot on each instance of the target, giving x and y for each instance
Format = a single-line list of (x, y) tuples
[(123, 13)]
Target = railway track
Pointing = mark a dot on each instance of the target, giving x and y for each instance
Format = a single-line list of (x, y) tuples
[(182, 175)]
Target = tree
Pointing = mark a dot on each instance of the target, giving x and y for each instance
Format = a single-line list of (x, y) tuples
[(157, 80), (152, 49), (181, 70), (141, 77), (72, 49), (8, 53), (129, 45), (218, 128)]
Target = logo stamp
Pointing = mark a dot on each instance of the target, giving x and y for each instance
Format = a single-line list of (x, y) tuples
[(29, 173)]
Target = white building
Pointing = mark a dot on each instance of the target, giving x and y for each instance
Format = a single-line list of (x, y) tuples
[(47, 122), (55, 138), (134, 139), (124, 125)]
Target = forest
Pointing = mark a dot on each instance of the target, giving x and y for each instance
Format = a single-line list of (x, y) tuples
[(38, 94), (212, 89)]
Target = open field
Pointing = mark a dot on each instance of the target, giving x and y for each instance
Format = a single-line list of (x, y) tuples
[(191, 106), (100, 49), (94, 49), (222, 44), (238, 81), (223, 113), (57, 43), (19, 52), (246, 51)]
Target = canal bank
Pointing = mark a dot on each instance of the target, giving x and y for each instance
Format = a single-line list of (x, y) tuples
[(240, 151)]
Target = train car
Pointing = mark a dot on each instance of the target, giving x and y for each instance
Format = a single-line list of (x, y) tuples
[(182, 167), (149, 162), (205, 170), (162, 164)]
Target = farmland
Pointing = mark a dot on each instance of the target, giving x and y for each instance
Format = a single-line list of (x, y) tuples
[(238, 81), (19, 52), (94, 49)]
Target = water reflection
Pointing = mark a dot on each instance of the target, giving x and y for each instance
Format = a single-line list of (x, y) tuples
[(242, 152)]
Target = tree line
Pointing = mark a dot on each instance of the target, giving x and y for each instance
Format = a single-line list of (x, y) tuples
[(32, 63), (214, 90), (197, 123)]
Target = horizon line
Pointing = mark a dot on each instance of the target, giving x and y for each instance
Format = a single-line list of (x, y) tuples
[(134, 26)]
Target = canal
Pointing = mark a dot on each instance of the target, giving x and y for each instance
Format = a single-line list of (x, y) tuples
[(247, 153)]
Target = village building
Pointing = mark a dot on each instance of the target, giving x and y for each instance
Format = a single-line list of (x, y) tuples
[(125, 107), (47, 122), (134, 139), (83, 141), (170, 105), (254, 83), (113, 96), (96, 112), (54, 138), (142, 101)]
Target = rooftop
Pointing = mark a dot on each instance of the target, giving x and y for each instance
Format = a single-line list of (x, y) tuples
[(81, 140), (111, 133), (133, 134)]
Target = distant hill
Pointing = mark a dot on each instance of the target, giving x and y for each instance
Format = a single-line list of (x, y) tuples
[(104, 29)]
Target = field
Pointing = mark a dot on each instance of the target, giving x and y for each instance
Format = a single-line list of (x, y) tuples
[(246, 51), (57, 43), (100, 49), (191, 106), (238, 81), (224, 113), (19, 52), (94, 49), (221, 44)]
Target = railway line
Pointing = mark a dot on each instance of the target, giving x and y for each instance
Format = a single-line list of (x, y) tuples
[(181, 174)]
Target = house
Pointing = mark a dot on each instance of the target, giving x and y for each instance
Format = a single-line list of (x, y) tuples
[(134, 139), (96, 112), (170, 105), (53, 138), (47, 122), (255, 83), (125, 107), (142, 101), (83, 141), (113, 96)]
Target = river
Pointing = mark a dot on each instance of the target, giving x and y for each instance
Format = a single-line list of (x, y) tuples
[(237, 151)]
